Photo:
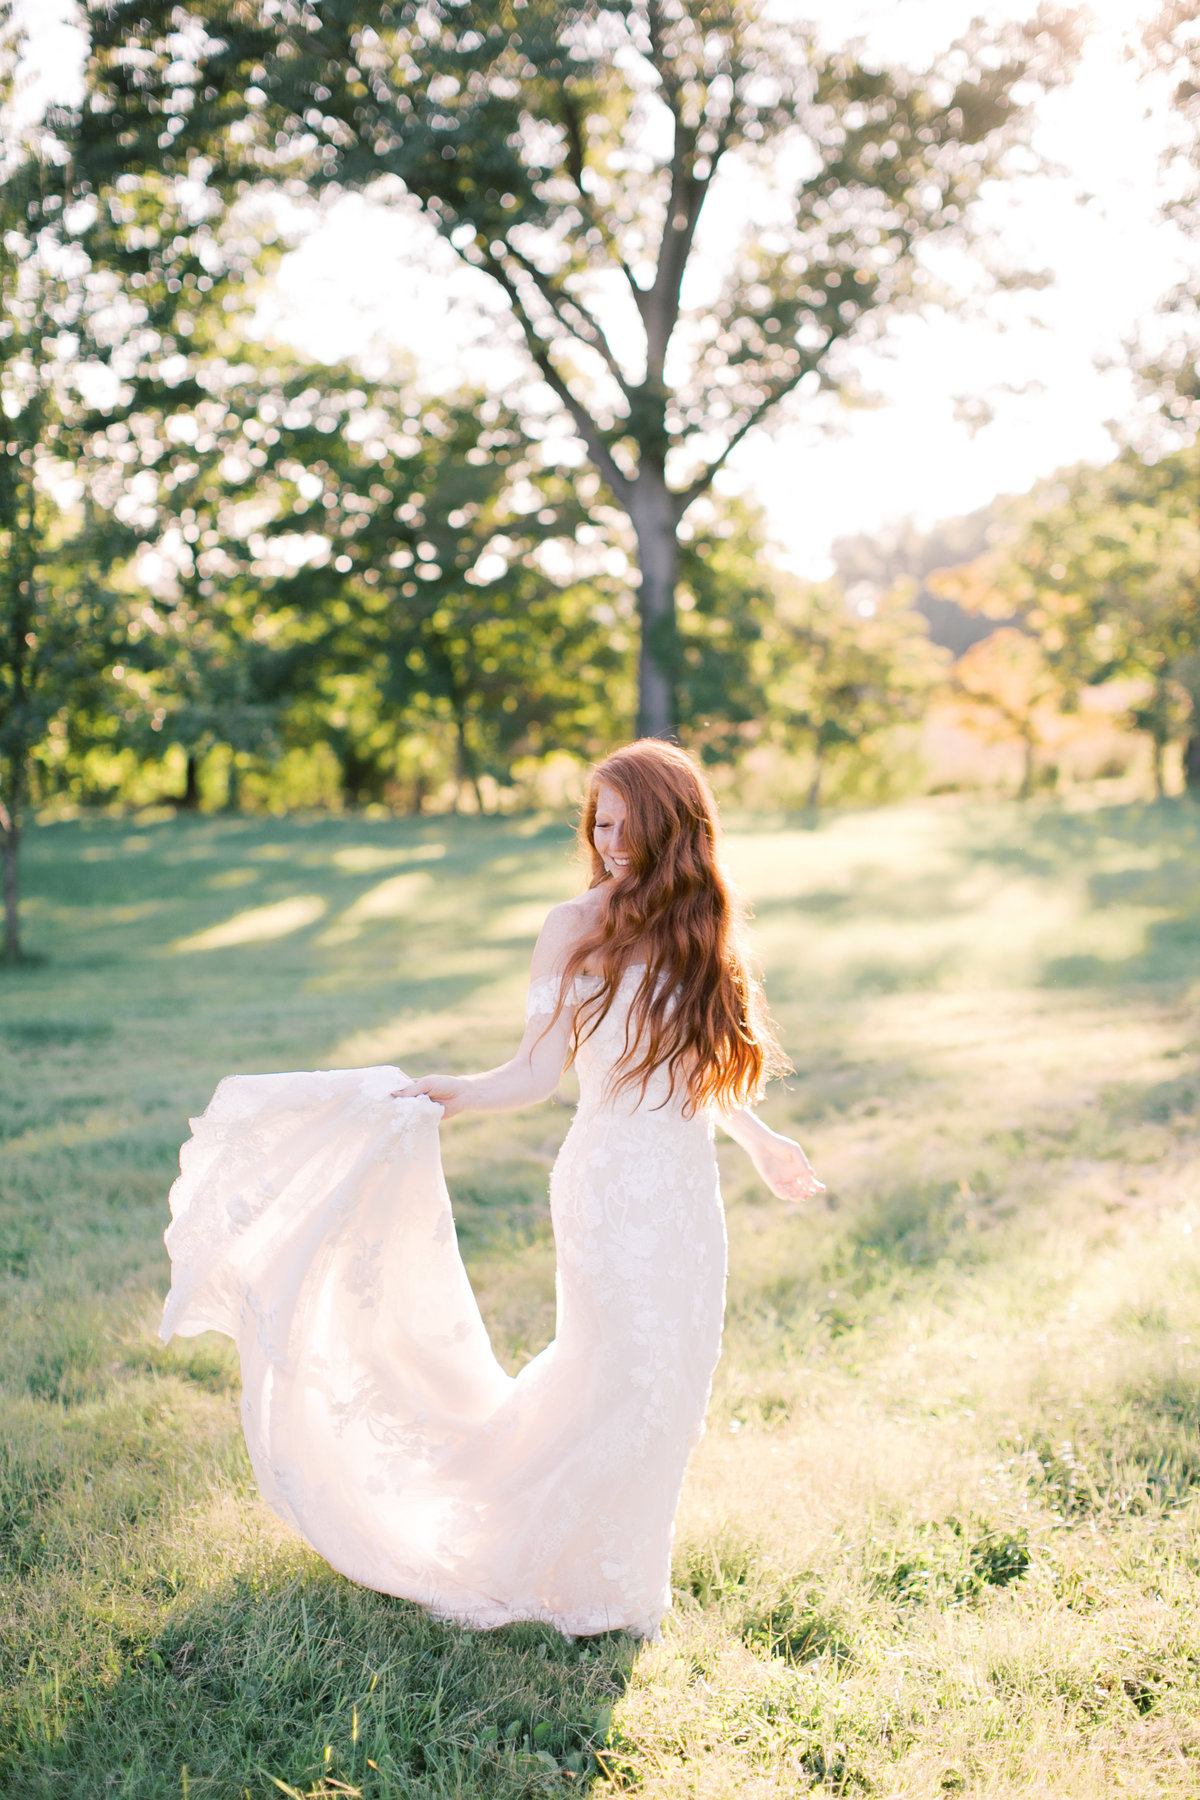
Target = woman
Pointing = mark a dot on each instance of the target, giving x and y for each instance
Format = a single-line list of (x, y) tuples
[(311, 1222)]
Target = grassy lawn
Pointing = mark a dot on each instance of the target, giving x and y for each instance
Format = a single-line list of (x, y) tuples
[(943, 1533)]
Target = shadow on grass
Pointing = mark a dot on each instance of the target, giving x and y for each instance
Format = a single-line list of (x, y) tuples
[(1145, 856), (1170, 953), (834, 1277), (1175, 1101), (306, 1684), (345, 923), (110, 903), (1163, 841)]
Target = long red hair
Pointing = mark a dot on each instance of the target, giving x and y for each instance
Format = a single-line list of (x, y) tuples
[(699, 1009)]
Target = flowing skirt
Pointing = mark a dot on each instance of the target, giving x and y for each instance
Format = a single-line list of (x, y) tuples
[(311, 1223)]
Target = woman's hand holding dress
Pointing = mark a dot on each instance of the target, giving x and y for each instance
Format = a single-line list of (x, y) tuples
[(450, 1092)]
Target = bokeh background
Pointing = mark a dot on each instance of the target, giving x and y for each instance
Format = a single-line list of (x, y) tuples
[(336, 474)]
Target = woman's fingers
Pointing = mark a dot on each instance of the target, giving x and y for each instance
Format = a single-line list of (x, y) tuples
[(430, 1087), (801, 1184)]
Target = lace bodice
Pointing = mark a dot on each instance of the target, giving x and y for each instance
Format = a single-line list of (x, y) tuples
[(604, 1048)]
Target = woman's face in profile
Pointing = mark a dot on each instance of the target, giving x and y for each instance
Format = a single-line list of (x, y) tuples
[(608, 832)]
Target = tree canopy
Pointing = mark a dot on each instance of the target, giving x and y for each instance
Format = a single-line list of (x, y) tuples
[(575, 154), (1099, 569), (98, 284)]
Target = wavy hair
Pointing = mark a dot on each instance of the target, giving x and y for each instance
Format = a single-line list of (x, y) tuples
[(699, 1009)]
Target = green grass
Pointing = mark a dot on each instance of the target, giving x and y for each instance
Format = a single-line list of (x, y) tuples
[(943, 1534)]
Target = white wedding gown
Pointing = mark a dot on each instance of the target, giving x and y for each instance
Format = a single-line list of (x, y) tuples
[(311, 1223)]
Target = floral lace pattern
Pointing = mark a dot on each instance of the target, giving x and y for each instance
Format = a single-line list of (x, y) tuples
[(311, 1222)]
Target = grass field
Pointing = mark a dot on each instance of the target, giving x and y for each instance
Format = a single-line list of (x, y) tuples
[(943, 1533)]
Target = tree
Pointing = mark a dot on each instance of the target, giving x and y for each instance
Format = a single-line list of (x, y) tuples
[(842, 678), (1005, 678), (90, 283), (1102, 567), (103, 282), (450, 591), (1002, 677), (351, 561), (46, 632), (568, 151)]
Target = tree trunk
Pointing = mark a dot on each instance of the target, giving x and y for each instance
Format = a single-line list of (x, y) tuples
[(1026, 788), (1159, 751), (652, 511), (233, 785), (10, 844), (468, 769), (189, 800), (1191, 764), (814, 786)]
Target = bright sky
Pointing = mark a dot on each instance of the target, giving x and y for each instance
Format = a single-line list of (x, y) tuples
[(364, 276)]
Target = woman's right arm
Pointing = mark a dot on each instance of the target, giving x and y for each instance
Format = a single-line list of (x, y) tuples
[(533, 1073), (779, 1160)]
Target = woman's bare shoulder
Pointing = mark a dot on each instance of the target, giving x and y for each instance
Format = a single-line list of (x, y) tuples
[(566, 925)]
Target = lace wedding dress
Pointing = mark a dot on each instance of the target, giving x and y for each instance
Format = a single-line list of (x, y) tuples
[(311, 1223)]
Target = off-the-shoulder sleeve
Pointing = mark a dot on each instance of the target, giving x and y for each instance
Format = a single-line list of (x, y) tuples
[(542, 999)]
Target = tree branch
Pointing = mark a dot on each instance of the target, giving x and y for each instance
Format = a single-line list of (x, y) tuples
[(684, 204), (662, 302), (588, 329), (757, 413), (576, 163), (588, 430)]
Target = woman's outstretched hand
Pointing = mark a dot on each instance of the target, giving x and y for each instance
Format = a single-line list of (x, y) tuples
[(786, 1170), (451, 1092)]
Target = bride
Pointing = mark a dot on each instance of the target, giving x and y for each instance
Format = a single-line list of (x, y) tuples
[(311, 1223)]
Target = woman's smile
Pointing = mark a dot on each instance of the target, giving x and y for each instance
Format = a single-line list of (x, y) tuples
[(608, 831)]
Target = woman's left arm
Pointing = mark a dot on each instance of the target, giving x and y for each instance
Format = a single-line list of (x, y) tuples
[(779, 1160), (525, 1079)]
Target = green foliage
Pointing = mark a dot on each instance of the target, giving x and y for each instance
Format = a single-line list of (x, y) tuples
[(842, 678), (511, 125), (723, 647), (1100, 567), (436, 606), (346, 562), (101, 288)]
